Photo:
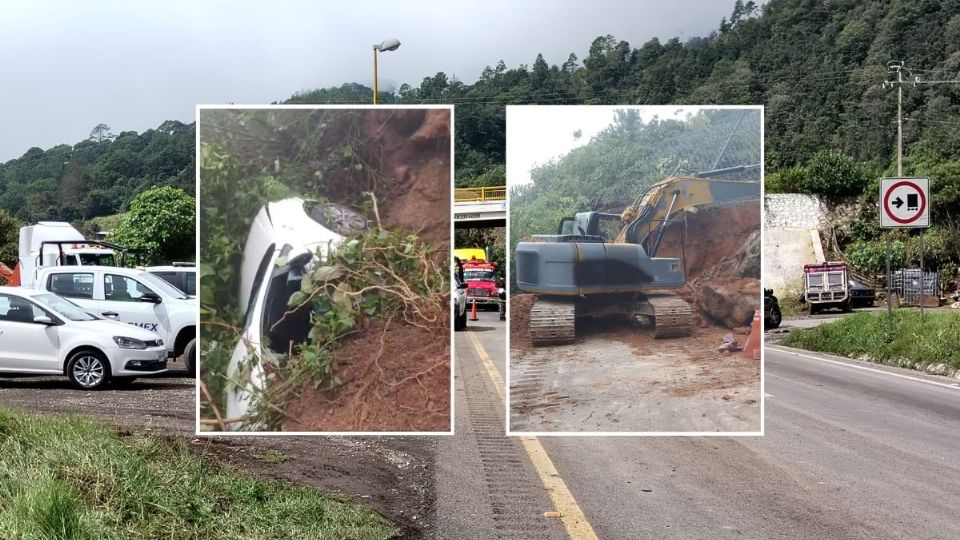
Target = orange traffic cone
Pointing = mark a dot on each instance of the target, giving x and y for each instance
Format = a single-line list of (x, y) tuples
[(752, 348), (473, 312)]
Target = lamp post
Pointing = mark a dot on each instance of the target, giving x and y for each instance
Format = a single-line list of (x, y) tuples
[(391, 44)]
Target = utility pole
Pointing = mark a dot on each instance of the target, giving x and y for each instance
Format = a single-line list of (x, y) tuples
[(898, 67)]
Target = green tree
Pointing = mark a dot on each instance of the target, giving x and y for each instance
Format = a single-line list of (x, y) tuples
[(9, 238), (162, 223)]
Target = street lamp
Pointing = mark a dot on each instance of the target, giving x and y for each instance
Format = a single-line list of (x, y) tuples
[(391, 44)]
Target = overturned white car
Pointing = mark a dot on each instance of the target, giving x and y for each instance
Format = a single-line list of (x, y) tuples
[(286, 239)]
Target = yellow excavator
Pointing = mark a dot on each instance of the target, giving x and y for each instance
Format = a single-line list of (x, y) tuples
[(601, 264)]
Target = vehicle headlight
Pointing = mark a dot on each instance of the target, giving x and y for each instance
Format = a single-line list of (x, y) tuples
[(129, 343)]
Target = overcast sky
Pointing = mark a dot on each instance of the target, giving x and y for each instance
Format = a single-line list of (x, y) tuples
[(67, 66), (537, 134)]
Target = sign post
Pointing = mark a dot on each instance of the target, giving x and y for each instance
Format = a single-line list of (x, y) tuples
[(904, 204)]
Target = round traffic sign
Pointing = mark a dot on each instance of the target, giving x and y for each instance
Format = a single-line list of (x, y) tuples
[(908, 202)]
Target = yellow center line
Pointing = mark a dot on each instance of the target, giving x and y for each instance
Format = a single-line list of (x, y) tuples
[(578, 528)]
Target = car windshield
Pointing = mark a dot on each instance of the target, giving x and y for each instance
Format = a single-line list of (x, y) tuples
[(63, 307), (161, 285), (478, 275)]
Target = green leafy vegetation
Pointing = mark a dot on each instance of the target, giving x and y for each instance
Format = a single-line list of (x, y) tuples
[(161, 224), (72, 479), (379, 275), (915, 342)]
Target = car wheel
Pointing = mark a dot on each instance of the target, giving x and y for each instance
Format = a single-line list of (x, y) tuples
[(190, 357), (88, 370), (775, 318), (814, 309)]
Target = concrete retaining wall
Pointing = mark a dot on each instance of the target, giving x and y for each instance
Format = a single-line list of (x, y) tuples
[(791, 239)]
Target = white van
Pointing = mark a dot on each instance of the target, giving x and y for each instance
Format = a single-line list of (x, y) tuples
[(131, 296)]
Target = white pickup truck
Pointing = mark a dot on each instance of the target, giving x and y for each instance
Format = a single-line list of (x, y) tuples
[(131, 296)]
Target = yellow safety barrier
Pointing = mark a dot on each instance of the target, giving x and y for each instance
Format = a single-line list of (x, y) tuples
[(480, 194)]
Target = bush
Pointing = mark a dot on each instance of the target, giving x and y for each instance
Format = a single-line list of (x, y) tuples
[(833, 175), (914, 342), (789, 180)]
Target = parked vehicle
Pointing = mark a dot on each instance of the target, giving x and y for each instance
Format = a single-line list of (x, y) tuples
[(42, 333), (861, 295), (459, 297), (181, 275), (300, 233), (130, 296), (479, 273), (826, 285), (772, 316)]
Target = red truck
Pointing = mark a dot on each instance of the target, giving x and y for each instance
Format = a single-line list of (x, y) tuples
[(481, 284), (826, 285)]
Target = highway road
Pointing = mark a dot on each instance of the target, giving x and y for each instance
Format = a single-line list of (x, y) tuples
[(850, 450)]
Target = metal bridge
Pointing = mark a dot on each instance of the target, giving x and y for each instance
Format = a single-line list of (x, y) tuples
[(480, 207)]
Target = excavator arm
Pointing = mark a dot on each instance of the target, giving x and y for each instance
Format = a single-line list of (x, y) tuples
[(653, 210)]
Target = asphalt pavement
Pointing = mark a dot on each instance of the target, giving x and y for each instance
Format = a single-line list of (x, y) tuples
[(850, 450)]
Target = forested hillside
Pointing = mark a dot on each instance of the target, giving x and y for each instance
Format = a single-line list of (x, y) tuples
[(98, 176), (816, 65)]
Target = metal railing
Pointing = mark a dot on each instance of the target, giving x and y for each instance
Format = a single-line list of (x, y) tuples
[(480, 194)]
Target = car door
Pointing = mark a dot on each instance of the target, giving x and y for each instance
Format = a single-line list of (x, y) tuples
[(25, 345), (122, 301)]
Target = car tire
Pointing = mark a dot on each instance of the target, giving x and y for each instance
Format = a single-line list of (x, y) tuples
[(814, 309), (460, 321), (88, 370), (775, 318), (190, 357)]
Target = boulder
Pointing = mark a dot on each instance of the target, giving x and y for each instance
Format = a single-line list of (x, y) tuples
[(732, 303)]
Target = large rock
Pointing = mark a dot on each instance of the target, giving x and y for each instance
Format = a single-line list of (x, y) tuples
[(731, 303)]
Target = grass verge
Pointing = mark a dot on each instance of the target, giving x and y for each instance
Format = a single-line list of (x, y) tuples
[(931, 344), (73, 479)]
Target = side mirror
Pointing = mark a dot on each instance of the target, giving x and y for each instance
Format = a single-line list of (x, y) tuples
[(43, 319), (151, 297)]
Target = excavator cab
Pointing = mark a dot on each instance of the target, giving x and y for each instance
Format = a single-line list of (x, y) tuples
[(591, 224)]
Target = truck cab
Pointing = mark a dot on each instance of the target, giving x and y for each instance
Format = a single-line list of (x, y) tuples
[(130, 296), (57, 243)]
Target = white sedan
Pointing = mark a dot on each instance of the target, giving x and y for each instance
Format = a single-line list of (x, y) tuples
[(43, 333), (286, 239)]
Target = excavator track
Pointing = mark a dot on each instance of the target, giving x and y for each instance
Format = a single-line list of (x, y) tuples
[(672, 315), (552, 322)]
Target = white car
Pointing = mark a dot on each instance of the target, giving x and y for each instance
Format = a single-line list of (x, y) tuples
[(42, 333), (181, 275), (296, 233), (130, 296)]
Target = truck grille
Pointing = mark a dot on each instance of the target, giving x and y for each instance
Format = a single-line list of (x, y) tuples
[(478, 292)]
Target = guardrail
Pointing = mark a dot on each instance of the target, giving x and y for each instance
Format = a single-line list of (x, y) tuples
[(480, 194)]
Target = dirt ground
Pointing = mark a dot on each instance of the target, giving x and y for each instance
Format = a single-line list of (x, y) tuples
[(386, 385), (621, 380), (396, 377), (392, 475)]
